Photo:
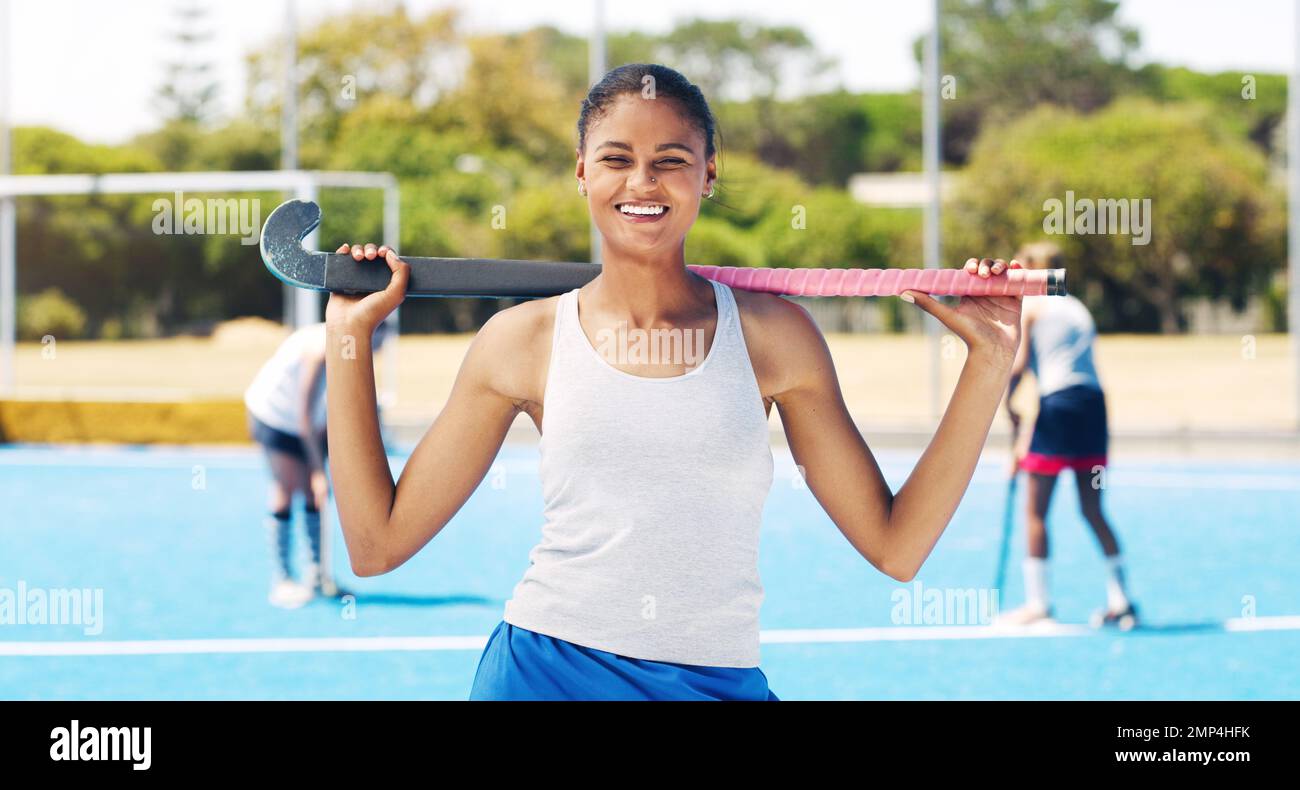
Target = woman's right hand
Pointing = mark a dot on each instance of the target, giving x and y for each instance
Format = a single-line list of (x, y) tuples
[(320, 488), (365, 312), (1019, 449)]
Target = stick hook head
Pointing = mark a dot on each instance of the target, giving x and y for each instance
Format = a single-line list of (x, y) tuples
[(282, 249)]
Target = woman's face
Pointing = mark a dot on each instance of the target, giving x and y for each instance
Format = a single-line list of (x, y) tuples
[(637, 140)]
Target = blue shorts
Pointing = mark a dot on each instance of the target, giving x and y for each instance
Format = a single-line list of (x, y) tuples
[(519, 664), (275, 439)]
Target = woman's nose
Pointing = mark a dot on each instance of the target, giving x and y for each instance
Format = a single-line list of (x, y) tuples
[(642, 178)]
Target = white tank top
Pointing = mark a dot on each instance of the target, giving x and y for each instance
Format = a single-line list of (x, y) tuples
[(1060, 343), (653, 494), (273, 396)]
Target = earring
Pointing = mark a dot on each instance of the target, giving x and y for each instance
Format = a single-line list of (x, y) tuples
[(711, 188), (582, 189)]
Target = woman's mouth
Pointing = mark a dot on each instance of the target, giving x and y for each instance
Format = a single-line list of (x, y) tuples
[(642, 212)]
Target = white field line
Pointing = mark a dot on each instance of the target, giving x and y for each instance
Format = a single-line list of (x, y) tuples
[(370, 644), (784, 472)]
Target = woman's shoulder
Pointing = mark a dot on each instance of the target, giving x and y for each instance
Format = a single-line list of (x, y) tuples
[(520, 335), (784, 342), (513, 348), (524, 321), (770, 314)]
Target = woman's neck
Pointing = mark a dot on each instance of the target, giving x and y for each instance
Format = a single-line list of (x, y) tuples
[(650, 292)]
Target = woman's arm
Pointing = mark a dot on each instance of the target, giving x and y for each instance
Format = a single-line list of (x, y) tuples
[(926, 503), (1019, 439), (895, 532), (833, 459), (313, 367), (1021, 362), (385, 524)]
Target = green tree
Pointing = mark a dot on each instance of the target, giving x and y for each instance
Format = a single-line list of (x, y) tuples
[(713, 242), (1009, 56), (735, 59), (1216, 224), (1251, 104), (510, 98), (893, 138), (189, 92), (826, 229), (49, 313), (349, 57)]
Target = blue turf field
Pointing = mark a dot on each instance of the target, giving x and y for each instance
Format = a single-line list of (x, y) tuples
[(183, 572)]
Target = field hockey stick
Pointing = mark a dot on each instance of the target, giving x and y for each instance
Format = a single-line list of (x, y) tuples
[(1008, 519), (327, 586), (290, 222)]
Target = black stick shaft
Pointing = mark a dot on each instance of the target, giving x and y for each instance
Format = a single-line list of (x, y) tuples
[(460, 276)]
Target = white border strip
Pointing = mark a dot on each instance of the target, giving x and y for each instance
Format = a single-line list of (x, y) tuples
[(373, 644), (165, 647), (784, 473)]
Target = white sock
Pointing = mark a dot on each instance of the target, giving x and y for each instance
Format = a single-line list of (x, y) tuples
[(311, 575), (1036, 581), (281, 539), (1116, 599), (311, 523)]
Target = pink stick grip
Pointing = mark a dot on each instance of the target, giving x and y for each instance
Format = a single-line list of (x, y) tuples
[(887, 282)]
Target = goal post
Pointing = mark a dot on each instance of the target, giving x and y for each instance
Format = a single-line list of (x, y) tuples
[(305, 305)]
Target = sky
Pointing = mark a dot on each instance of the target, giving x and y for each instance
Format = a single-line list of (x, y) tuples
[(90, 67)]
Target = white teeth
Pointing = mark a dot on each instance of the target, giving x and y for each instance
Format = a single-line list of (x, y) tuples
[(647, 210)]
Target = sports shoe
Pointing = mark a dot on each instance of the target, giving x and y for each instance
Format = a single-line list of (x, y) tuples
[(313, 579), (289, 594), (1125, 619)]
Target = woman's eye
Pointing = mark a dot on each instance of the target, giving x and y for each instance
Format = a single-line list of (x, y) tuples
[(622, 161)]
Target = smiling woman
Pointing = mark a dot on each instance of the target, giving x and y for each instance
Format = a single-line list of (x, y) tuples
[(655, 472), (646, 153), (630, 595)]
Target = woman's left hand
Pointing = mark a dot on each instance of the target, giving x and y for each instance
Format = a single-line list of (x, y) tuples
[(988, 324)]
